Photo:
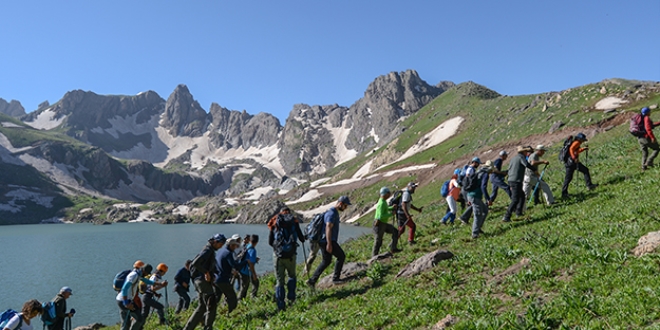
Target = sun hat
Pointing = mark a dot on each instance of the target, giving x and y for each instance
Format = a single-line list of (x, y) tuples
[(541, 147), (412, 185), (525, 148), (384, 191)]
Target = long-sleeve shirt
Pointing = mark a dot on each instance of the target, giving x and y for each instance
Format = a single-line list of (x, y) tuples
[(271, 225), (182, 276), (60, 307), (383, 211), (574, 150), (130, 287), (648, 127), (517, 168), (225, 262), (204, 262)]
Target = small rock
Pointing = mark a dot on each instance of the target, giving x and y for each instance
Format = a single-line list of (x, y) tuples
[(448, 321), (94, 326), (382, 256), (424, 263), (603, 90), (647, 244), (556, 126)]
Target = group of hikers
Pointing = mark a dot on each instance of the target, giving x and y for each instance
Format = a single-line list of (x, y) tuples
[(54, 315)]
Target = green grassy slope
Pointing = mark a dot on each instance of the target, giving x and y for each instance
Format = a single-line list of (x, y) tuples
[(581, 273)]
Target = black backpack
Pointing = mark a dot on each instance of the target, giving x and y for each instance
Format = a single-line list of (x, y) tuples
[(315, 227), (471, 182), (285, 236), (395, 201), (564, 153)]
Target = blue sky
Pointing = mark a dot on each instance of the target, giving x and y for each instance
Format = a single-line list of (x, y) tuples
[(266, 56)]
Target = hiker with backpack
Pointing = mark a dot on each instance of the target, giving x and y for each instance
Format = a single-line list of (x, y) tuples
[(533, 178), (482, 182), (59, 303), (151, 291), (248, 274), (329, 245), (404, 215), (452, 194), (476, 180), (313, 234), (497, 178), (284, 234), (203, 272), (381, 224), (182, 286), (516, 177), (128, 301), (573, 163), (641, 126), (12, 320), (226, 266)]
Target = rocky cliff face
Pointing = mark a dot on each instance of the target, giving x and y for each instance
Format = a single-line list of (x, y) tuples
[(12, 108), (183, 115), (235, 129)]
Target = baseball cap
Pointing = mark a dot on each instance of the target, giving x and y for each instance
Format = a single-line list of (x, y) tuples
[(236, 237), (503, 152), (218, 238), (541, 147), (476, 160), (66, 289), (412, 184), (384, 191), (345, 200)]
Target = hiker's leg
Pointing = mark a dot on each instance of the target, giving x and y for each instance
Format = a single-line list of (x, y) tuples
[(585, 171), (255, 286), (291, 282), (341, 257), (643, 144), (230, 295), (184, 299), (395, 236), (656, 149), (245, 285), (547, 192), (401, 220), (570, 169), (493, 195), (479, 215), (379, 230), (211, 304), (326, 259), (138, 320), (453, 208), (520, 206), (280, 272), (204, 289), (515, 197), (123, 314), (313, 251), (411, 232)]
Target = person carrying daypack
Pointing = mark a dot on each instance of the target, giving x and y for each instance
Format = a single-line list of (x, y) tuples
[(469, 183), (284, 234), (532, 178), (203, 272), (314, 234), (647, 139), (226, 265), (128, 301), (516, 177), (498, 177), (182, 286), (404, 215), (12, 320), (453, 193), (248, 273), (60, 309), (329, 243), (476, 187), (151, 291), (573, 164), (381, 224)]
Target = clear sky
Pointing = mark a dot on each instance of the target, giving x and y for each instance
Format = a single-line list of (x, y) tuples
[(266, 56)]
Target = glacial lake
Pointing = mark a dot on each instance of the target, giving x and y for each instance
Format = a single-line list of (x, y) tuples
[(37, 260)]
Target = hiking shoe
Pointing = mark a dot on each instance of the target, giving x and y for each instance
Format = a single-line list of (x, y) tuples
[(443, 222), (505, 219), (338, 281), (310, 283), (396, 250), (475, 236), (644, 167), (412, 242), (463, 221), (593, 186)]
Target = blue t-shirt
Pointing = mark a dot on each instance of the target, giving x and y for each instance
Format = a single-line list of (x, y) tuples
[(225, 262), (250, 255), (498, 165), (331, 216)]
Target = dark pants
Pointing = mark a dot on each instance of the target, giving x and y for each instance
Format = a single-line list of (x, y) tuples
[(327, 259), (646, 144), (571, 167), (227, 289), (207, 307), (517, 200), (184, 299), (148, 303), (499, 184), (245, 285), (58, 325), (126, 315), (379, 230)]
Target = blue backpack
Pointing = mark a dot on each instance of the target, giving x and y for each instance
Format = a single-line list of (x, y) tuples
[(119, 280), (6, 316), (49, 315), (285, 236), (315, 228), (444, 191)]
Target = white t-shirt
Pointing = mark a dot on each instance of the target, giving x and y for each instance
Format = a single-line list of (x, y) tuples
[(132, 277), (13, 323)]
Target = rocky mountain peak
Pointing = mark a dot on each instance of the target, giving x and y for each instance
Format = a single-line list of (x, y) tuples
[(12, 108), (233, 129), (183, 115)]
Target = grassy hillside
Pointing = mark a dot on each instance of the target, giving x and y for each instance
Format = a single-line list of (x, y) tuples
[(580, 273)]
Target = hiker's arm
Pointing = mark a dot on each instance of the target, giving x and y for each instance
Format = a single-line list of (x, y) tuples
[(526, 163), (648, 126), (199, 263), (418, 209), (252, 271), (301, 237), (271, 237), (484, 187), (328, 236), (405, 209)]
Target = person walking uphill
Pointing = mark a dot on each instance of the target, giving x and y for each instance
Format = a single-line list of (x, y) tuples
[(128, 301), (203, 273), (452, 197), (283, 236), (403, 214), (516, 176), (381, 224), (476, 183), (329, 245), (248, 274), (182, 286), (573, 163), (149, 301), (60, 308), (225, 267), (498, 177), (647, 140), (23, 320), (533, 177)]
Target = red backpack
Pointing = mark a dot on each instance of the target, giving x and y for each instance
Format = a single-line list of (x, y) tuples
[(637, 125)]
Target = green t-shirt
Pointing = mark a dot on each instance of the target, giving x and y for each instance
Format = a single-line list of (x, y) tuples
[(383, 211)]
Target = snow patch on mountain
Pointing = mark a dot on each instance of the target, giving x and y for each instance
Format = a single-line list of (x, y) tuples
[(610, 102), (364, 170), (441, 133), (46, 120), (308, 196), (22, 194), (340, 134)]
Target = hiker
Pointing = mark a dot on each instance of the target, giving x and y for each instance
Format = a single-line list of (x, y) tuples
[(149, 301), (452, 198), (60, 308), (381, 225), (647, 140), (313, 251), (238, 256), (403, 213), (476, 183), (532, 177), (248, 274), (203, 273), (182, 286), (23, 320), (284, 232), (226, 265), (329, 244), (573, 163), (128, 301), (516, 176), (471, 169), (497, 178)]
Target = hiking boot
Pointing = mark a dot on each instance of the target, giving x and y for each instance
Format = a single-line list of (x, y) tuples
[(395, 250), (593, 186), (565, 196), (412, 242), (505, 219), (463, 221), (475, 236), (310, 283), (338, 281), (644, 167)]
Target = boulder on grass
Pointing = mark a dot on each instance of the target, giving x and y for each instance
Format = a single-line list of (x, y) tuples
[(424, 263)]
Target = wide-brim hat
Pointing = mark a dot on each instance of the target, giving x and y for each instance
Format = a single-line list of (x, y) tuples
[(541, 147), (524, 149)]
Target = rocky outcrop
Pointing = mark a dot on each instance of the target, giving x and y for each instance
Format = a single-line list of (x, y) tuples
[(445, 323), (233, 129), (647, 244), (183, 115), (424, 263), (513, 269), (350, 271), (261, 213), (12, 108)]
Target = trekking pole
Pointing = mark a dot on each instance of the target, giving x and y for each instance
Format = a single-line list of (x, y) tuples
[(587, 155), (167, 307), (67, 323), (538, 182), (305, 262)]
